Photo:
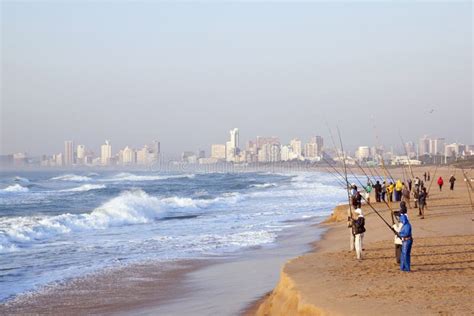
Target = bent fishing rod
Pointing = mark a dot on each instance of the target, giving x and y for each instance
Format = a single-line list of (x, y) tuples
[(386, 203), (373, 208)]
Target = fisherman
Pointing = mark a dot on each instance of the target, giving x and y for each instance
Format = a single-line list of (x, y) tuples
[(451, 182), (358, 200), (424, 175), (416, 193), (428, 177), (397, 240), (398, 190), (409, 184), (390, 189), (440, 183), (417, 183), (378, 191), (407, 242), (368, 190), (406, 195), (422, 202), (358, 230), (384, 191), (403, 208)]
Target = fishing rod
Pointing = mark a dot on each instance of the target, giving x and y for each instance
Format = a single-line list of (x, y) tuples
[(406, 152), (373, 208), (432, 179), (349, 213), (386, 203), (468, 185)]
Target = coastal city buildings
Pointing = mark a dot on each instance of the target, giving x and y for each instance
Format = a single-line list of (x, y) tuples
[(260, 150)]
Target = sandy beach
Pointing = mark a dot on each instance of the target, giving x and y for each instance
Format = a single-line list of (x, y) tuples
[(330, 281)]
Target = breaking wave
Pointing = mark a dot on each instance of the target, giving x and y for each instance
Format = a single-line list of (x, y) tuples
[(125, 176), (72, 177), (129, 208), (16, 188), (85, 187)]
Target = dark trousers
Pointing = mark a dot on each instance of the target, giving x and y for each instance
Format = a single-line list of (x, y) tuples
[(451, 187), (398, 252), (406, 255), (440, 187)]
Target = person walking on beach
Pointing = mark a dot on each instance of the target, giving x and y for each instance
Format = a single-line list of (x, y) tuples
[(451, 182), (424, 176), (358, 230), (429, 176), (407, 242), (422, 202), (440, 183), (397, 240)]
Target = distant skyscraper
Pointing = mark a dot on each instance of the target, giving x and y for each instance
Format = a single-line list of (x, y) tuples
[(262, 140), (318, 140), (232, 146), (296, 147), (127, 156), (105, 153), (156, 150), (81, 154), (68, 153), (437, 146), (424, 146)]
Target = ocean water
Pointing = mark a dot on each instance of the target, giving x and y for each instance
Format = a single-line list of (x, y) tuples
[(55, 226)]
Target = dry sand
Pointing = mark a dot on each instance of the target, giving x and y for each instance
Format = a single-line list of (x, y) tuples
[(331, 281)]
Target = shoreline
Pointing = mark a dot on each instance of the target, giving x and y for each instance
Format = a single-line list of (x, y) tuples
[(318, 282)]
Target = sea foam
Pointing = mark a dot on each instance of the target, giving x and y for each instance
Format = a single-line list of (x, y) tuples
[(72, 177), (16, 188), (85, 187)]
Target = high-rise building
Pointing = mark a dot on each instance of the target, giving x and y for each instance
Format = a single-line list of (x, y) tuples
[(318, 140), (68, 152), (424, 146), (437, 146), (311, 151), (232, 146), (218, 151), (81, 154), (296, 147), (105, 153), (156, 149), (286, 152), (127, 156), (362, 153)]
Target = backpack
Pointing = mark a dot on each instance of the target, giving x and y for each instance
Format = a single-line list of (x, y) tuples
[(359, 226)]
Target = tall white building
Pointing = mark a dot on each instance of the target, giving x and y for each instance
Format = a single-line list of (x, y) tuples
[(296, 148), (128, 156), (232, 146), (105, 153), (68, 153), (81, 154), (424, 146), (362, 153), (437, 146), (318, 140), (286, 152)]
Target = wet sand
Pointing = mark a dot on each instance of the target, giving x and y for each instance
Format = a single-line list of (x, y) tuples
[(330, 280)]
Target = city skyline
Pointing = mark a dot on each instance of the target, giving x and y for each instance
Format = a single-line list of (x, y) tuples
[(173, 69)]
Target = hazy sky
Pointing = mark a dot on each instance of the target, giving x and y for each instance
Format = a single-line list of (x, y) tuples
[(186, 73)]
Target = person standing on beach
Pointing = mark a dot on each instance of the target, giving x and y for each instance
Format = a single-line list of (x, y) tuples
[(378, 191), (424, 175), (397, 241), (409, 184), (407, 242), (451, 182), (358, 230), (406, 196), (428, 177), (384, 191), (398, 190), (422, 202), (440, 183), (368, 190), (416, 193), (390, 189)]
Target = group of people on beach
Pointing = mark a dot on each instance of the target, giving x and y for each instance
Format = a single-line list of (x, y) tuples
[(393, 191)]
